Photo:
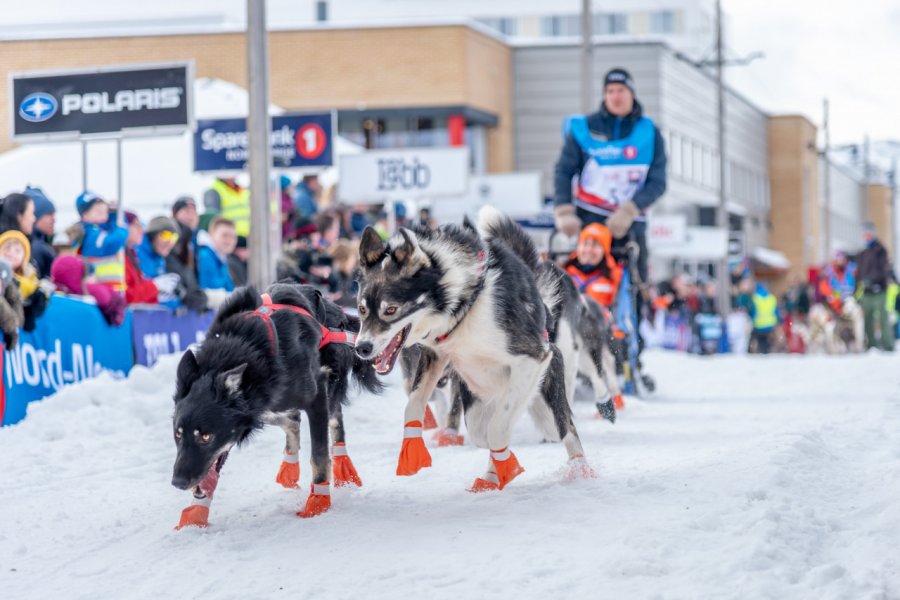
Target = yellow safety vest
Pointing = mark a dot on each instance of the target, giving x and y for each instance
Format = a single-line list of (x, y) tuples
[(893, 290), (766, 314), (235, 206), (109, 270)]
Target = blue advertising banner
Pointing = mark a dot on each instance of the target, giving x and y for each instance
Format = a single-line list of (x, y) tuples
[(70, 342), (157, 332), (298, 140)]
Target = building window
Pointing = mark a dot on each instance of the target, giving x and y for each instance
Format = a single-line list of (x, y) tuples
[(321, 11), (687, 159), (675, 154), (561, 26), (505, 25), (662, 21), (610, 23)]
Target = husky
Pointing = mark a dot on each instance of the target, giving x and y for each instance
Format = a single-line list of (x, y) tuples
[(264, 361), (837, 333), (473, 302)]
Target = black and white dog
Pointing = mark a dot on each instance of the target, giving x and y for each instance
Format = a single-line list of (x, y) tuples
[(475, 303), (264, 361)]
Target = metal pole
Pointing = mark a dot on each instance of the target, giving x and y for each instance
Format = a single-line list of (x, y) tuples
[(261, 266), (119, 203), (83, 166), (587, 59), (827, 182), (722, 213), (893, 220)]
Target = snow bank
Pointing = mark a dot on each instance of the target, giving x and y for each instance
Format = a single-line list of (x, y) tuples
[(745, 477)]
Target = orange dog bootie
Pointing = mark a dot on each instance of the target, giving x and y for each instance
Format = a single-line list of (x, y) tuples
[(289, 472), (319, 500), (414, 455), (195, 515), (618, 402), (344, 471), (507, 465), (430, 421), (448, 437), (488, 483)]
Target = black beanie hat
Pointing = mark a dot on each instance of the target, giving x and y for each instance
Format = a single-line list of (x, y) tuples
[(619, 75)]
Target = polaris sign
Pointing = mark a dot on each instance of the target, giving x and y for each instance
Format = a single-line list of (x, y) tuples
[(297, 140), (102, 102)]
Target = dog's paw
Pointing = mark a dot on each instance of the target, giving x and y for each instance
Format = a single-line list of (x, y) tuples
[(194, 516)]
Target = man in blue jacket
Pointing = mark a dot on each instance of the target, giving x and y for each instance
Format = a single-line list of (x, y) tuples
[(615, 161), (212, 260), (618, 158)]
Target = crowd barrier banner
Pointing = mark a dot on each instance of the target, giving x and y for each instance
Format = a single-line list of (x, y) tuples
[(157, 332), (71, 342)]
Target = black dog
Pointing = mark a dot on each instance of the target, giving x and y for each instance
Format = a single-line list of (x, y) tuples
[(266, 359)]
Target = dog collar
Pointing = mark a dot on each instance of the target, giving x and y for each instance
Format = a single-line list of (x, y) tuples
[(482, 275)]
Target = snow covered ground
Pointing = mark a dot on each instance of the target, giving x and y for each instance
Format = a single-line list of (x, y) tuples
[(745, 477)]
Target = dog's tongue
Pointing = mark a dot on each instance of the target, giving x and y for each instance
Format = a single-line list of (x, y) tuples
[(384, 362)]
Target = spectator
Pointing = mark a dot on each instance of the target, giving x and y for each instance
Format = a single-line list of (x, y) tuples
[(765, 318), (708, 323), (42, 253), (329, 227), (796, 299), (212, 261), (159, 241), (103, 242), (306, 199), (838, 281), (237, 262), (187, 220), (16, 250), (593, 268), (69, 274), (228, 199), (12, 315), (874, 273), (345, 254), (17, 212), (288, 209), (138, 289)]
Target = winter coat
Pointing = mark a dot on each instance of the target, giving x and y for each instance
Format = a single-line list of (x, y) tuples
[(68, 275), (212, 270), (42, 254), (152, 264), (138, 289), (599, 282), (102, 246), (607, 126), (12, 315), (873, 268)]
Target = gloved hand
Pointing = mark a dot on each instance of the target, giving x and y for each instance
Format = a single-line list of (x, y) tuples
[(167, 284), (620, 221), (566, 221)]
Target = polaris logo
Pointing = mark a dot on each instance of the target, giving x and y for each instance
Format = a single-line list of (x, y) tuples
[(38, 107), (131, 100)]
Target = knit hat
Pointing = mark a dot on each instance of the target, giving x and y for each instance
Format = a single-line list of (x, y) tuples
[(869, 227), (6, 274), (130, 217), (15, 234), (158, 224), (86, 200), (603, 236), (285, 181), (619, 75), (42, 204), (182, 202)]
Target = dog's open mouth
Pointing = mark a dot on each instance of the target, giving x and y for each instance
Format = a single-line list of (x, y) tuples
[(384, 362)]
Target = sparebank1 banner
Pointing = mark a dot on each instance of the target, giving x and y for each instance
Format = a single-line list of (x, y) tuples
[(70, 343)]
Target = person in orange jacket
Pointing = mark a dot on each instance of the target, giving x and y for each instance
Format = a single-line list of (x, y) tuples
[(593, 268)]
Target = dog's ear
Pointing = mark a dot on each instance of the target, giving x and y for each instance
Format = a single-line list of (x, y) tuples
[(468, 224), (233, 378), (405, 251), (371, 248), (188, 371)]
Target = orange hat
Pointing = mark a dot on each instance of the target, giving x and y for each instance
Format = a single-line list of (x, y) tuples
[(602, 235), (598, 232)]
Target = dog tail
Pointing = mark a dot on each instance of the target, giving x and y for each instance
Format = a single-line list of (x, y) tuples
[(494, 224)]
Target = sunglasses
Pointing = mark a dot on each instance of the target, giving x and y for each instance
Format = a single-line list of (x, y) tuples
[(168, 236)]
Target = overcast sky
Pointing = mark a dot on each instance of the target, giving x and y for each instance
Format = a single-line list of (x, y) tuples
[(847, 51)]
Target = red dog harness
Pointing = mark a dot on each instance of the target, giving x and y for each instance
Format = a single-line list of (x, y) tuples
[(329, 336)]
